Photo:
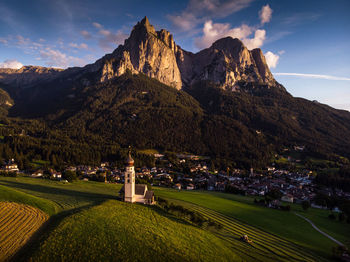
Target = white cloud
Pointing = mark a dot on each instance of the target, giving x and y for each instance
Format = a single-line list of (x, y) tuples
[(81, 46), (214, 31), (22, 40), (55, 58), (185, 21), (198, 11), (110, 40), (327, 77), (265, 14), (85, 34), (97, 25), (271, 59), (256, 41), (300, 18), (3, 41), (11, 63), (281, 52)]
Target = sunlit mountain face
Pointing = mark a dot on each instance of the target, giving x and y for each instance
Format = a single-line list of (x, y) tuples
[(291, 34)]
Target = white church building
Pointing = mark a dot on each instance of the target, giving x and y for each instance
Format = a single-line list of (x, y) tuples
[(135, 193)]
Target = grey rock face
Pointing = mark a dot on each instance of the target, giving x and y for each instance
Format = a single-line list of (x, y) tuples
[(154, 53), (145, 51), (226, 62)]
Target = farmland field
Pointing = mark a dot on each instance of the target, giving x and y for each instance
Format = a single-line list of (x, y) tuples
[(283, 224), (88, 214), (18, 223)]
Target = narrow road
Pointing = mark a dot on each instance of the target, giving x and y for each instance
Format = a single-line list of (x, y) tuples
[(323, 233)]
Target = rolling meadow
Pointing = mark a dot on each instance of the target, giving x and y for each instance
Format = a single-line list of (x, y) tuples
[(86, 221)]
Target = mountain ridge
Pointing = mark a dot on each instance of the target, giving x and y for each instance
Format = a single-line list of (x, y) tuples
[(227, 103), (155, 54)]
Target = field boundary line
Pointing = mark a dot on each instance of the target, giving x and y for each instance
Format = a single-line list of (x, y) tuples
[(319, 230)]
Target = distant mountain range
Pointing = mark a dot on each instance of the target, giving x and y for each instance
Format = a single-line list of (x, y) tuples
[(222, 101)]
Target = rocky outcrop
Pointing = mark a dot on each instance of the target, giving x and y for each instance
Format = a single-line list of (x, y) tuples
[(227, 62), (145, 51)]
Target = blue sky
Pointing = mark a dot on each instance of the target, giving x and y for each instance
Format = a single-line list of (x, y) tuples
[(306, 43)]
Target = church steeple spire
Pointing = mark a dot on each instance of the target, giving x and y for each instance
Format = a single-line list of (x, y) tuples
[(129, 161), (129, 177)]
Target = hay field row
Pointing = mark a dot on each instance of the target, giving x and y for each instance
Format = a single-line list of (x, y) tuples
[(265, 246), (18, 223)]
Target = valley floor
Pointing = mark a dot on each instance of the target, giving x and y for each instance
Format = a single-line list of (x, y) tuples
[(88, 223)]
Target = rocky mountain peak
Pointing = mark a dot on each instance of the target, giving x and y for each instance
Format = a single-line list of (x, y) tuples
[(143, 27), (229, 44), (145, 51), (227, 62)]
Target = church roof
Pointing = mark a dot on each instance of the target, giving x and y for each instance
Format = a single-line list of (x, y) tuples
[(149, 195), (129, 160), (140, 189)]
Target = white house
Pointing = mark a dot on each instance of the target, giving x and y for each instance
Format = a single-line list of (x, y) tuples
[(11, 166), (287, 198), (190, 187), (38, 173)]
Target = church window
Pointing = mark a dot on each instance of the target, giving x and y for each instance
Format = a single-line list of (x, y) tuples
[(128, 180)]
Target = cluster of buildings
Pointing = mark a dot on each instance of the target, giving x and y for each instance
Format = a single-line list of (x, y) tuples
[(294, 186)]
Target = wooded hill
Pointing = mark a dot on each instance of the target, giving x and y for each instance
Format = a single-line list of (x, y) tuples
[(75, 123)]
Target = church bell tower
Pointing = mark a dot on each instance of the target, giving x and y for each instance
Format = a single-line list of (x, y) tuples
[(129, 177)]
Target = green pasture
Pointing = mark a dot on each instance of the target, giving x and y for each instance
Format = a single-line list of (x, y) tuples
[(87, 213), (280, 223)]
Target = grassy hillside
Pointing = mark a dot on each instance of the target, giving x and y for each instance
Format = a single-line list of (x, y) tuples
[(91, 207), (120, 231)]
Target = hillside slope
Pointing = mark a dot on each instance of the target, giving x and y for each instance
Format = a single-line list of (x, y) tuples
[(227, 103)]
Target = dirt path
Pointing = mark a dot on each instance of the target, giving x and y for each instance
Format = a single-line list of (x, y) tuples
[(323, 233), (18, 223)]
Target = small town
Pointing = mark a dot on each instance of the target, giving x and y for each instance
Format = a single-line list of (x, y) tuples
[(291, 187)]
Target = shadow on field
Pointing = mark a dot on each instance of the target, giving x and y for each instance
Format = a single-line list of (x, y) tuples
[(33, 244), (88, 200), (89, 197)]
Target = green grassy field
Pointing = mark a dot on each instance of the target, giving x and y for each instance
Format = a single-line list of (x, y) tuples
[(283, 224), (96, 224), (11, 195), (118, 231)]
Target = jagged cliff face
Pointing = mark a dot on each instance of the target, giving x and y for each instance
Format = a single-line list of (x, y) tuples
[(227, 63), (145, 51)]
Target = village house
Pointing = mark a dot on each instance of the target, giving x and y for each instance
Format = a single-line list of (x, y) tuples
[(190, 187), (287, 198), (177, 186), (11, 166), (38, 173)]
